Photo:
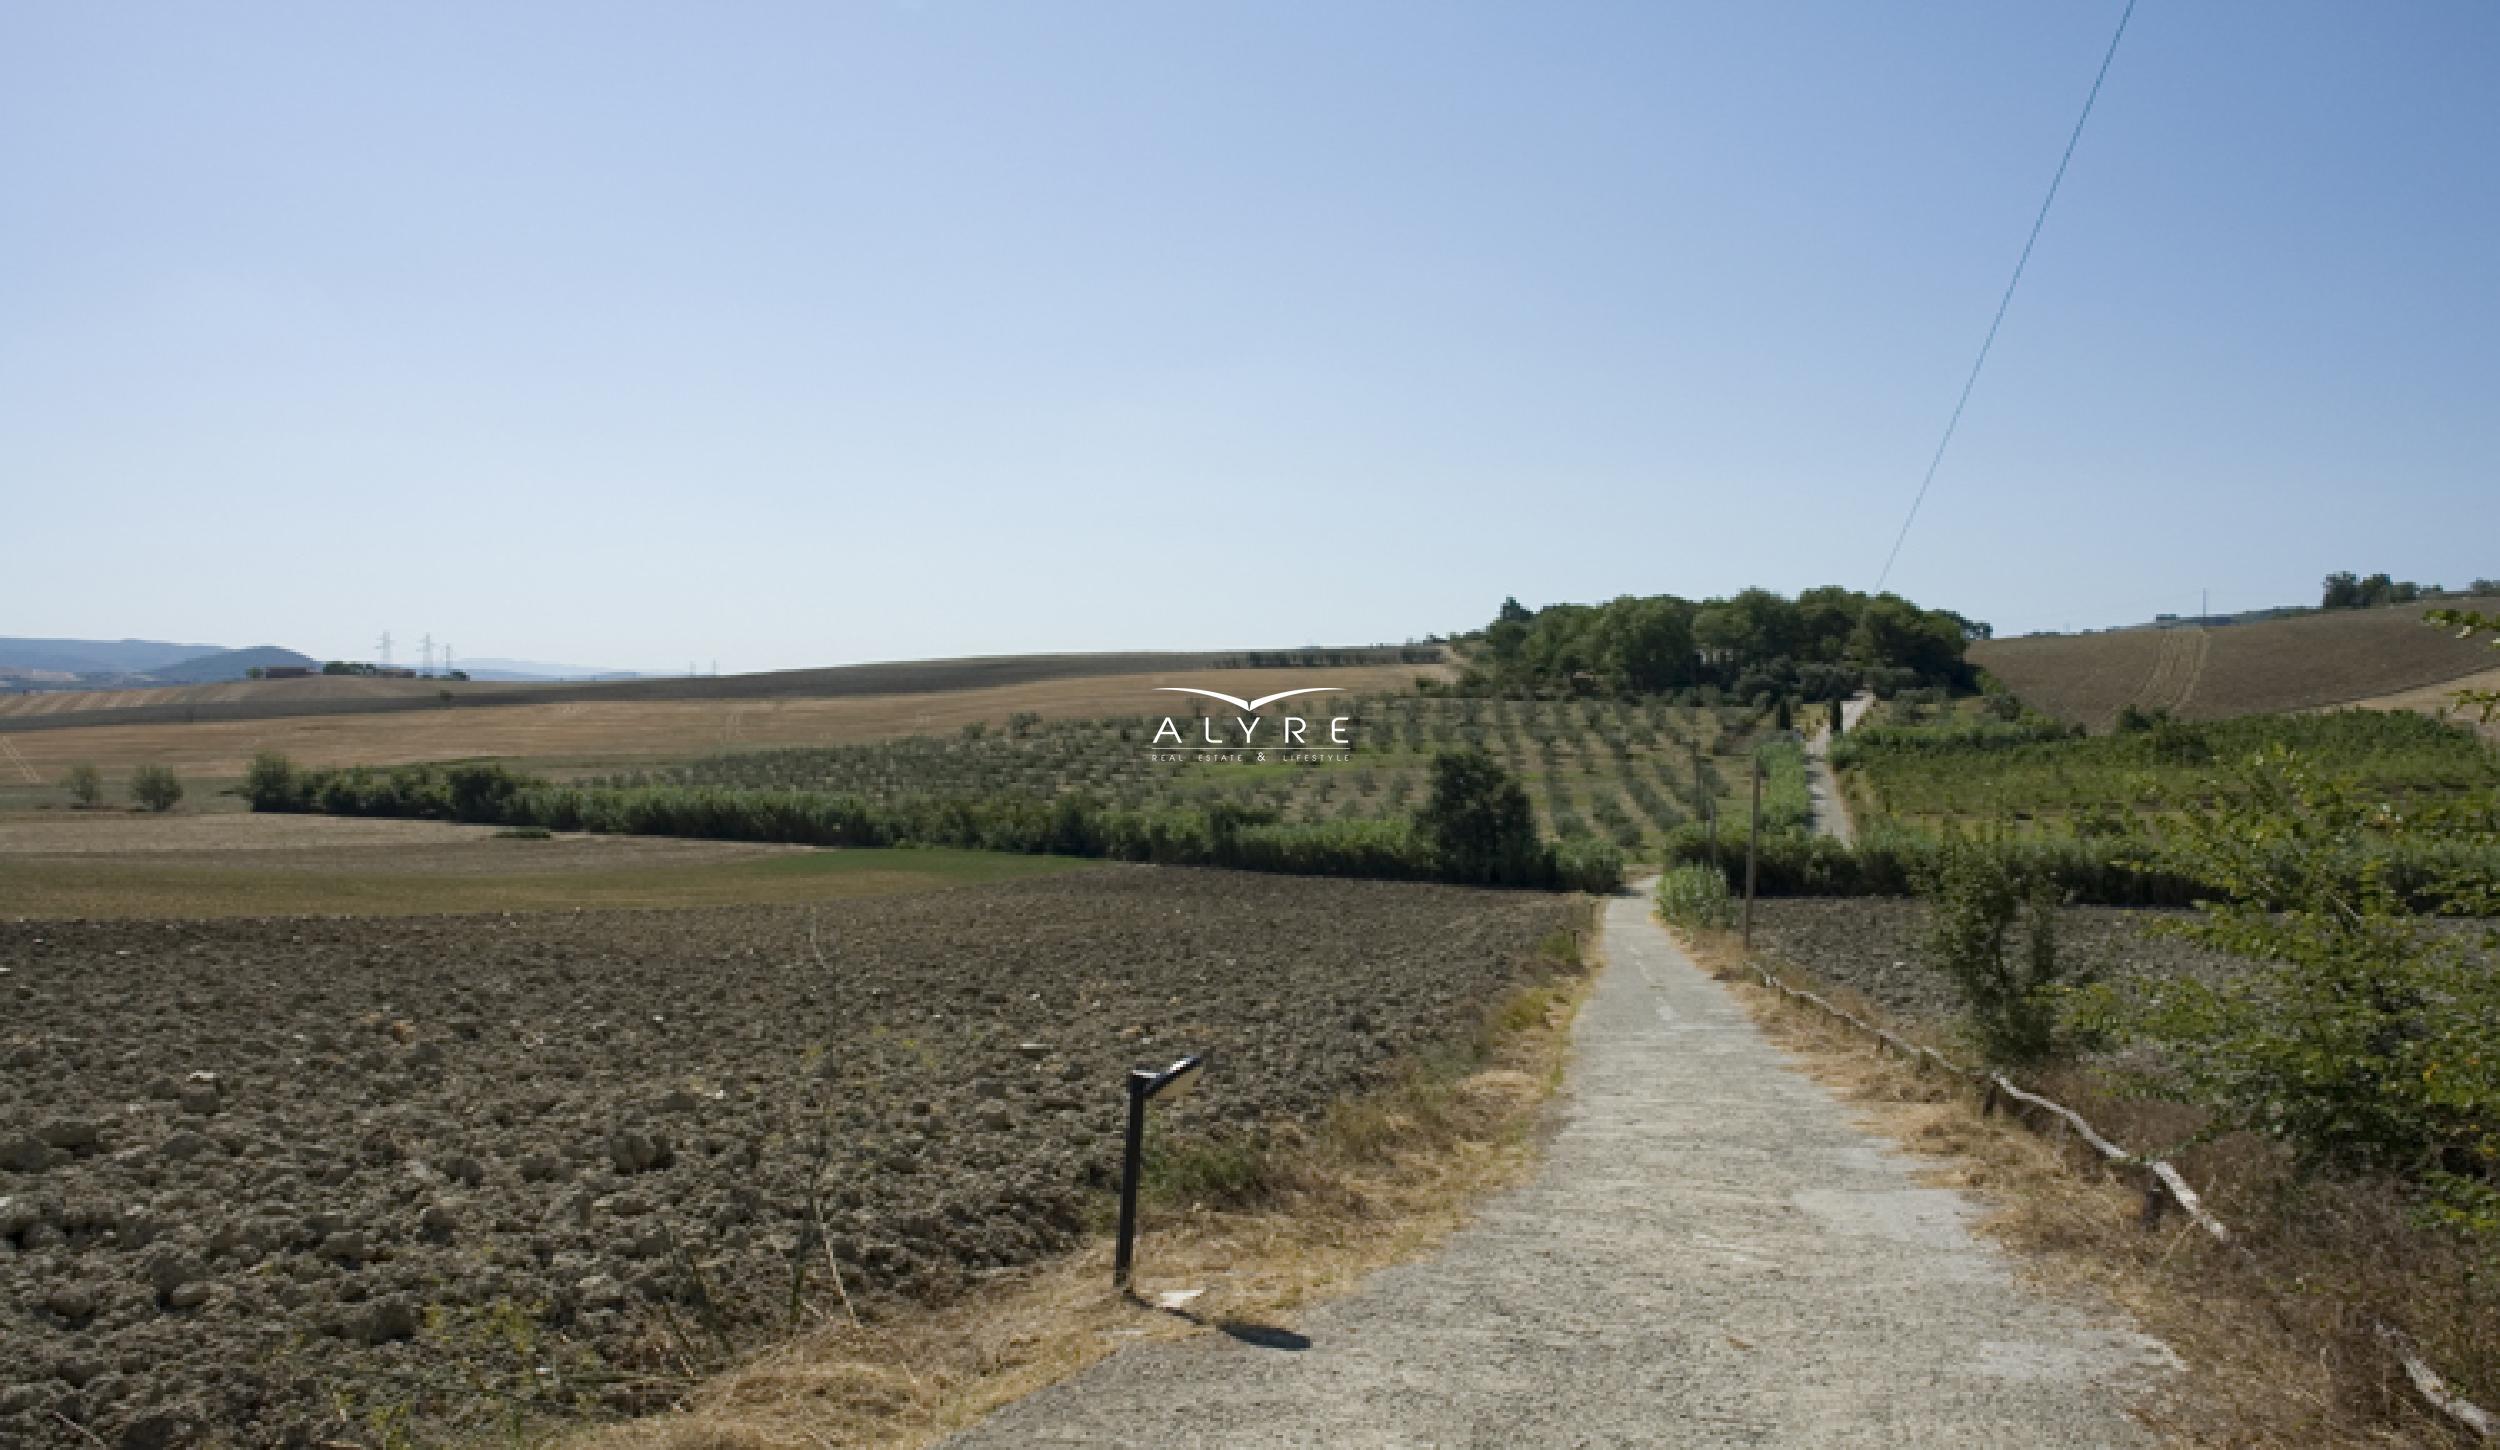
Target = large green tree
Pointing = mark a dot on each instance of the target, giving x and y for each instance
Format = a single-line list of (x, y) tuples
[(1479, 821), (1644, 645)]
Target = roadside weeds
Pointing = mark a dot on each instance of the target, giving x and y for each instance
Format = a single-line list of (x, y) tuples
[(2267, 1360)]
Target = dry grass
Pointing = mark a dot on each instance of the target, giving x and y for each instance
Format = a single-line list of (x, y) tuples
[(597, 731), (482, 874), (271, 692), (1382, 1180), (2273, 1355), (117, 832), (2440, 699), (2347, 656)]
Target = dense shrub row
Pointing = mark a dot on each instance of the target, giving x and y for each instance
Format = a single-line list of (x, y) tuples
[(1893, 862), (1982, 767), (2096, 871), (1214, 834)]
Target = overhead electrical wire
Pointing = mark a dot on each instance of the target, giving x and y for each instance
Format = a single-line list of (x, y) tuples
[(2008, 299)]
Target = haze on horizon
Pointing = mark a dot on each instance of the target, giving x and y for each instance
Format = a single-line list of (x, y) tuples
[(631, 335)]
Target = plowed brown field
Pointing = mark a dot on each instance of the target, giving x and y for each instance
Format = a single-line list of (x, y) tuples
[(296, 1180), (2341, 657)]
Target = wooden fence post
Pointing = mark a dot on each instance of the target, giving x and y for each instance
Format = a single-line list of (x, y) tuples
[(2154, 1201)]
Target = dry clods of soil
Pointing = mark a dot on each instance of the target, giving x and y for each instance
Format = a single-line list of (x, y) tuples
[(280, 1181)]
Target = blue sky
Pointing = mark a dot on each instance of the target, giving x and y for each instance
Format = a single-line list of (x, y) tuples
[(787, 335)]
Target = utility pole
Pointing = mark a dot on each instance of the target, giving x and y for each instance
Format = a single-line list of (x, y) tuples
[(386, 649), (1704, 803), (1710, 818), (1753, 846), (425, 654)]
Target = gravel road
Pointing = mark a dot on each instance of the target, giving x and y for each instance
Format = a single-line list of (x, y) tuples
[(1712, 1255), (1831, 808)]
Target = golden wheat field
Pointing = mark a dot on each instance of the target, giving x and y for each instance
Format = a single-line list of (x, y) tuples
[(598, 730)]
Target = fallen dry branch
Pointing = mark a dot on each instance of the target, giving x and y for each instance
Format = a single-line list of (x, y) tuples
[(2164, 1180)]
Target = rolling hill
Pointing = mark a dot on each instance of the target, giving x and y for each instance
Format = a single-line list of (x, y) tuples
[(232, 664), (211, 730), (2209, 672), (97, 656)]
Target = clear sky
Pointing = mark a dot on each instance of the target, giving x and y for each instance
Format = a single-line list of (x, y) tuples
[(798, 334)]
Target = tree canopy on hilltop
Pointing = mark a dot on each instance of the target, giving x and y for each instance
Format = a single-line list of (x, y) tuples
[(1823, 644), (2347, 590)]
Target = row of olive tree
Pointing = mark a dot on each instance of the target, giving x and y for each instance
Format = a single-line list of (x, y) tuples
[(1475, 827)]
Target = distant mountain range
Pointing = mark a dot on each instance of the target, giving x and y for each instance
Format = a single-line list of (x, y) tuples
[(91, 664), (98, 656)]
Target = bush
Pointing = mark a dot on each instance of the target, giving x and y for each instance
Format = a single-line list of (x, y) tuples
[(1478, 823), (1696, 896), (1977, 895), (270, 783), (2429, 873), (155, 787), (2361, 1039), (1588, 865), (86, 785)]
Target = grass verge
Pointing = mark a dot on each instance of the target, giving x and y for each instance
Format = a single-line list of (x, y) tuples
[(1263, 1226), (2274, 1348)]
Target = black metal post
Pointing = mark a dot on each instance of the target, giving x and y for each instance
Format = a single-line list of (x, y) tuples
[(1132, 1163)]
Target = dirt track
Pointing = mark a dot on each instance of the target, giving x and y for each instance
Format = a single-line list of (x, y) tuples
[(1713, 1255), (441, 1167)]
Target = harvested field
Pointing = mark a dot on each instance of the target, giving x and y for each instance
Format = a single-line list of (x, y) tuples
[(118, 833), (328, 694), (284, 1180), (116, 864), (2337, 657), (2440, 700), (274, 697), (616, 728), (567, 873)]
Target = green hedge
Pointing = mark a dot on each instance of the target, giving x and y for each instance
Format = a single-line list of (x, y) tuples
[(1069, 825), (2096, 871)]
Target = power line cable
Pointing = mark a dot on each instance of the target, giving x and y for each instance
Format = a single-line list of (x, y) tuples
[(2008, 299)]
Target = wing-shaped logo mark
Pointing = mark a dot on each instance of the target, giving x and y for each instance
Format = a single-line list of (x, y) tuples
[(1237, 701)]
